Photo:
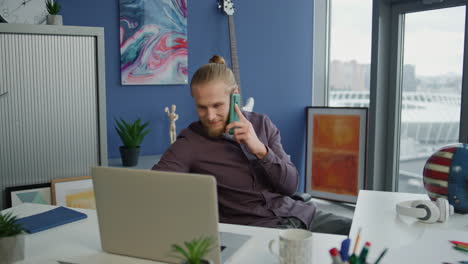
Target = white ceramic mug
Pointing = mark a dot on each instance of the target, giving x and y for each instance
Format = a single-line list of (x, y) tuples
[(295, 246)]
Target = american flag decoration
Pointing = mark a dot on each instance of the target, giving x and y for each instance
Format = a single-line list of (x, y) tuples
[(436, 173), (445, 175)]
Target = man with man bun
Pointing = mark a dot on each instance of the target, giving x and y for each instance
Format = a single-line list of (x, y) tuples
[(255, 177)]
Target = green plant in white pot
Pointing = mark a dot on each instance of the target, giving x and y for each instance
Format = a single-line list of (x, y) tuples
[(131, 134), (195, 250), (53, 8), (11, 239)]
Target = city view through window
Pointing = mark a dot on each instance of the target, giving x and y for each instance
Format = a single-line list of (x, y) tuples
[(431, 72)]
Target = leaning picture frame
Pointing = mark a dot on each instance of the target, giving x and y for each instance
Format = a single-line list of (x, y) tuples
[(336, 152), (77, 192), (33, 193)]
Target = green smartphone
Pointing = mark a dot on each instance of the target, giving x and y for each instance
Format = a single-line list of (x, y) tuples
[(235, 99)]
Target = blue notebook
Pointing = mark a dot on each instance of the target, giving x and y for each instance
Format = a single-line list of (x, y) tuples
[(55, 217)]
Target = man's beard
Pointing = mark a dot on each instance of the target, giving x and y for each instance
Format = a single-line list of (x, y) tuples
[(215, 132)]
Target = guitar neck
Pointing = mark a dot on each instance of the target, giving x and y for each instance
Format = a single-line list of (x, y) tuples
[(234, 58)]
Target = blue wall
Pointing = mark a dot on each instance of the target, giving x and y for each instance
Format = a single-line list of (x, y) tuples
[(274, 39)]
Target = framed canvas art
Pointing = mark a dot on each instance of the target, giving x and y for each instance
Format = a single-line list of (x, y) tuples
[(336, 152), (153, 42), (34, 193), (74, 192)]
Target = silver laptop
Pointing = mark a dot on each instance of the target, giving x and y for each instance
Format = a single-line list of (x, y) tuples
[(141, 213)]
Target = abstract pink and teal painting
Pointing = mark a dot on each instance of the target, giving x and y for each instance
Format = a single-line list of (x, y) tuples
[(153, 42)]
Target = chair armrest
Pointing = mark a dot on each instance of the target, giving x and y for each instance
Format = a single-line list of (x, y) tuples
[(305, 197)]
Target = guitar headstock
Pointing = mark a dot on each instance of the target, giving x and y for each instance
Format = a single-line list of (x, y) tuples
[(227, 6)]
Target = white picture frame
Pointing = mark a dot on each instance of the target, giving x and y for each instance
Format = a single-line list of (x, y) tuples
[(77, 192)]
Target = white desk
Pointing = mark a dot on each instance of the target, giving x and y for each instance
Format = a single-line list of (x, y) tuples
[(376, 214), (82, 238)]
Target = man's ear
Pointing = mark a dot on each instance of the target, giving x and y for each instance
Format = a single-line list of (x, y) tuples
[(236, 90)]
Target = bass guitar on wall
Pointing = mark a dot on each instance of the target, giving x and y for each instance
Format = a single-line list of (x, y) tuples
[(228, 7)]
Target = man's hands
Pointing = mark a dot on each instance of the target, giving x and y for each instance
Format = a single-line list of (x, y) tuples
[(244, 133)]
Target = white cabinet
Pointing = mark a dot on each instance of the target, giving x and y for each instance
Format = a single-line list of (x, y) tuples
[(52, 117)]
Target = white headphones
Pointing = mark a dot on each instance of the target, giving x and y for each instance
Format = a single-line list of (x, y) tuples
[(425, 210)]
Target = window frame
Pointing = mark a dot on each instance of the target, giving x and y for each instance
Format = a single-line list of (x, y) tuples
[(320, 52)]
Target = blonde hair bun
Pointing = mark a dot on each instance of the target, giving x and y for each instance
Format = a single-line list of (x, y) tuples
[(217, 59), (216, 69)]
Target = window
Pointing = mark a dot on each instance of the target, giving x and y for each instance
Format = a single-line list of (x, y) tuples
[(349, 24), (408, 102), (432, 48)]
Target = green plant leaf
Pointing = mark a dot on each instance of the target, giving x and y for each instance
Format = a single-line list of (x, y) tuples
[(53, 8), (195, 250), (127, 126), (142, 127), (8, 225), (131, 133), (180, 250), (137, 122)]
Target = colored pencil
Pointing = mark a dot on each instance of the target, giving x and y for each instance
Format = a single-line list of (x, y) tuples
[(357, 240), (461, 249), (456, 243), (461, 246), (381, 256)]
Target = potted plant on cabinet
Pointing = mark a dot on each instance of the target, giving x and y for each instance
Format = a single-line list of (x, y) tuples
[(53, 8), (195, 250), (132, 135), (11, 239)]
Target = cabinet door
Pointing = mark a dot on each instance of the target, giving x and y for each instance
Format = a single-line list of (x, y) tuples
[(49, 115)]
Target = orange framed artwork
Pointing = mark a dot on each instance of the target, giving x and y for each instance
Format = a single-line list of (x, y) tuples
[(336, 152)]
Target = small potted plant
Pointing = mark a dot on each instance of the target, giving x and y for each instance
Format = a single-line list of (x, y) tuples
[(53, 8), (11, 239), (194, 251), (132, 135)]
